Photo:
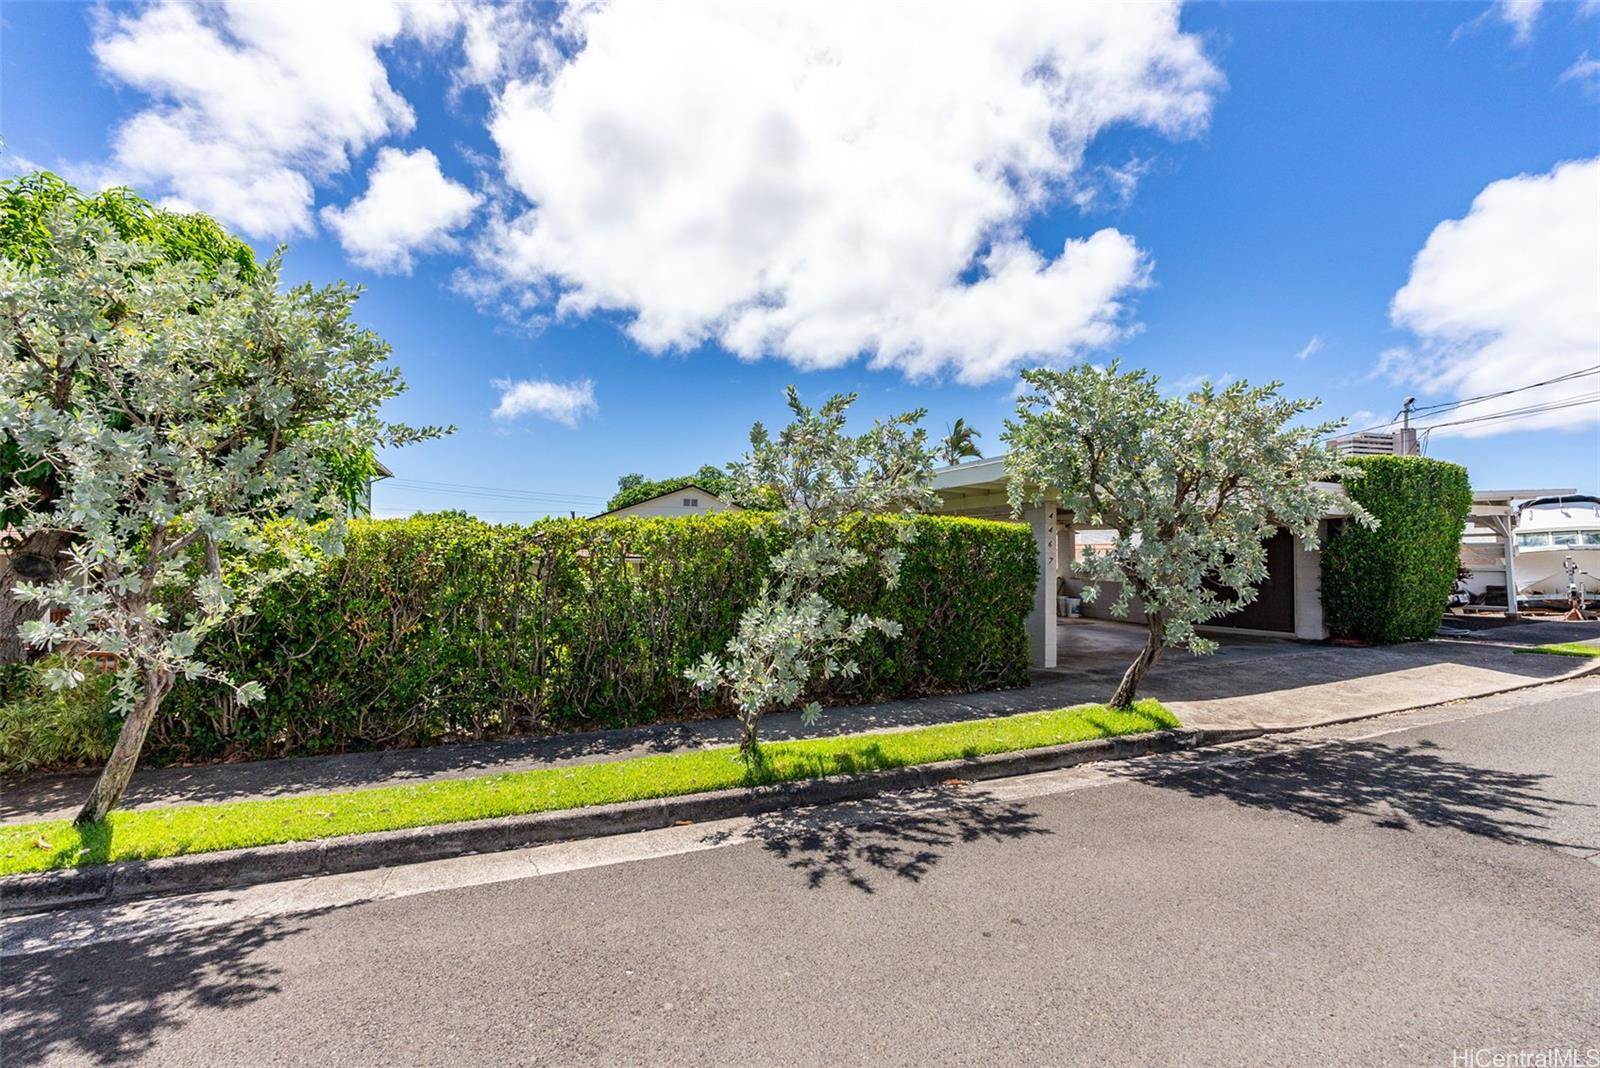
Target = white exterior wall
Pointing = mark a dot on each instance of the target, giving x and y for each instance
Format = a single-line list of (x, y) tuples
[(672, 504), (1042, 619), (1100, 607), (1308, 621)]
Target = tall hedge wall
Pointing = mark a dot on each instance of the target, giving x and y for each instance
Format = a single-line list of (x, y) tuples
[(435, 628), (1391, 584)]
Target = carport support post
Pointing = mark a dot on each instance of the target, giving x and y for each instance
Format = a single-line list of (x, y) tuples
[(1042, 620), (1510, 529), (1506, 527)]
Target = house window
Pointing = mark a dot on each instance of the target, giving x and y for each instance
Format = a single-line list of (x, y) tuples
[(691, 502)]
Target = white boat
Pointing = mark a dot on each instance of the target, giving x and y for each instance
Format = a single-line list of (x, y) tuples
[(1558, 544)]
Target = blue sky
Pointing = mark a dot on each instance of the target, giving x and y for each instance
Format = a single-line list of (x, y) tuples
[(653, 219)]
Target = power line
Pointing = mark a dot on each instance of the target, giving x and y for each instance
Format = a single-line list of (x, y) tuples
[(1448, 406), (495, 493), (1436, 409), (1515, 413), (495, 489)]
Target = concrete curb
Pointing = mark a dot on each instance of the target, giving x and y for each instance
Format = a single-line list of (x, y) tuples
[(67, 888)]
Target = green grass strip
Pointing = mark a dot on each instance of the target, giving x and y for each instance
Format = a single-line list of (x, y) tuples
[(1563, 649), (167, 832)]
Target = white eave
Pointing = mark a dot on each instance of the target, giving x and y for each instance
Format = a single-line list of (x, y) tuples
[(1498, 501), (982, 478), (975, 473)]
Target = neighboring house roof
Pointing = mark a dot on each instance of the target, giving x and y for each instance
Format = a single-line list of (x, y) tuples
[(673, 492)]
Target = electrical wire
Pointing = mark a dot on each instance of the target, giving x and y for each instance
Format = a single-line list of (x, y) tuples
[(499, 494), (1516, 413), (1462, 403), (1448, 406)]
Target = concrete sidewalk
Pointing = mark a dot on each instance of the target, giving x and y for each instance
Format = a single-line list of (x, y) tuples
[(1247, 684)]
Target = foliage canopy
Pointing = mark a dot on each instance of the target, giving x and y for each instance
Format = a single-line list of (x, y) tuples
[(1390, 583), (823, 480), (191, 419), (1191, 485)]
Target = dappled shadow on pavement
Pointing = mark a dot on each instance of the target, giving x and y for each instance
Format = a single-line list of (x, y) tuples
[(1398, 787), (114, 1000), (893, 836)]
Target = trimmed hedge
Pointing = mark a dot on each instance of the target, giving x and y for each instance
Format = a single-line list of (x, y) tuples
[(443, 627), (1391, 584)]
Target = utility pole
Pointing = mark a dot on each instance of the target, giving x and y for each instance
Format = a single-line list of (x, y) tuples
[(1406, 440)]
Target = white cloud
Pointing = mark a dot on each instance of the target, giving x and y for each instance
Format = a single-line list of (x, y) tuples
[(565, 402), (819, 182), (1506, 297), (1361, 419), (253, 102), (1313, 347), (409, 207), (1584, 70), (1520, 16), (1189, 383)]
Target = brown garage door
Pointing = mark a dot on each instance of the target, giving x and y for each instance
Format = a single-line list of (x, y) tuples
[(1273, 608)]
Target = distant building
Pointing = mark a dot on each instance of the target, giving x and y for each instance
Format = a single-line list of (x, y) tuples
[(685, 500), (1367, 443)]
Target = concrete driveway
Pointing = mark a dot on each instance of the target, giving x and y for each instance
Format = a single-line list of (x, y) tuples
[(1276, 684)]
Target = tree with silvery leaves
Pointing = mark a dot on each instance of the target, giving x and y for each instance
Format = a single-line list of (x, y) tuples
[(196, 422), (1193, 486), (825, 482)]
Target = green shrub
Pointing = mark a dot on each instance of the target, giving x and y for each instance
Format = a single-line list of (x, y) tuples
[(1390, 584), (41, 727), (443, 627)]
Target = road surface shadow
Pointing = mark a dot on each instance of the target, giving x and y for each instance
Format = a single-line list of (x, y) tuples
[(1398, 787), (110, 1001), (897, 836)]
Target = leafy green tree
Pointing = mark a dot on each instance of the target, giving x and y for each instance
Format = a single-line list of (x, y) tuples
[(192, 419), (824, 480), (30, 202), (30, 206), (27, 205), (960, 443), (1193, 486), (633, 488)]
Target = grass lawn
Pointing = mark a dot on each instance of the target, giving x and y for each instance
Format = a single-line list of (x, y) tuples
[(1564, 649), (168, 832)]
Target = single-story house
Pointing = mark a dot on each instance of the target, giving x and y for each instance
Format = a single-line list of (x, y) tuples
[(688, 499), (1288, 605)]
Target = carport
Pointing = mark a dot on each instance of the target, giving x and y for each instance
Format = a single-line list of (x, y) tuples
[(1289, 605), (1494, 514)]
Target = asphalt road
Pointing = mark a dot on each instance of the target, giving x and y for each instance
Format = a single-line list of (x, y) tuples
[(1330, 898)]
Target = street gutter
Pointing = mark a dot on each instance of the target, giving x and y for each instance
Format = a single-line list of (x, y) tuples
[(74, 887)]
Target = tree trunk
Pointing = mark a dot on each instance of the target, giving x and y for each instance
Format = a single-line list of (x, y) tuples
[(125, 754), (47, 545), (747, 733), (1154, 645)]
